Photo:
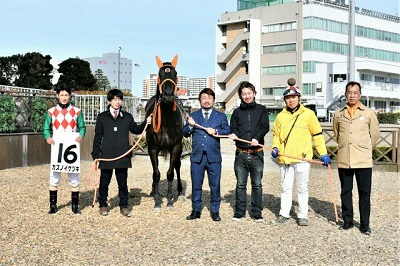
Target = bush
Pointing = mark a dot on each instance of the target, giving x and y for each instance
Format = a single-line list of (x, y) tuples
[(39, 109), (389, 118), (7, 114)]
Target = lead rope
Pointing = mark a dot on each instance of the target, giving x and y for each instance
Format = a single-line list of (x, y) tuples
[(94, 173), (333, 197)]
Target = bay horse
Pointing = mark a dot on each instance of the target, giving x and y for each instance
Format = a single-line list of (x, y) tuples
[(165, 134)]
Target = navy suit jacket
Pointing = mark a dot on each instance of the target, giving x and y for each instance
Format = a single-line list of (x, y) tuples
[(201, 140)]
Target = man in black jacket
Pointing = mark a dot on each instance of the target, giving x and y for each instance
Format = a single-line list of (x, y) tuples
[(249, 122), (111, 140)]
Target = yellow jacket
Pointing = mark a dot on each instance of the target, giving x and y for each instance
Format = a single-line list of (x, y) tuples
[(305, 131), (355, 137)]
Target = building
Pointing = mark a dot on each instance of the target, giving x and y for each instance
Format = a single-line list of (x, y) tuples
[(186, 86), (268, 41), (109, 65)]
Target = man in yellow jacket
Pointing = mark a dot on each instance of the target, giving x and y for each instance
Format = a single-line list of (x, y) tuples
[(295, 129), (356, 129)]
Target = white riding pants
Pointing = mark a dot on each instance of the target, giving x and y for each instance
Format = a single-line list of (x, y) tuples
[(301, 172), (56, 176)]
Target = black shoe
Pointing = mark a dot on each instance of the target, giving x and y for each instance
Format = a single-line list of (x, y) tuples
[(346, 226), (75, 209), (366, 230), (53, 209), (193, 215), (215, 216)]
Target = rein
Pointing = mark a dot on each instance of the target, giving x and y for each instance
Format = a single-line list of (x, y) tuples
[(94, 174), (333, 197), (157, 107)]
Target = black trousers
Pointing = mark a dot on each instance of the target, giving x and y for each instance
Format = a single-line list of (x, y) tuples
[(364, 181), (105, 178)]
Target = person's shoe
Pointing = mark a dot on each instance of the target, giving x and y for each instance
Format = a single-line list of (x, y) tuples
[(53, 209), (194, 215), (366, 230), (237, 217), (280, 220), (215, 217), (303, 222), (346, 226), (75, 209), (103, 211), (125, 212), (258, 218)]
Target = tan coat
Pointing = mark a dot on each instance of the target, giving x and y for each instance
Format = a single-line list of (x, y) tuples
[(356, 137)]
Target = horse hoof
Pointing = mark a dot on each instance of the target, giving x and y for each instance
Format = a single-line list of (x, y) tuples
[(157, 208), (170, 207), (181, 197)]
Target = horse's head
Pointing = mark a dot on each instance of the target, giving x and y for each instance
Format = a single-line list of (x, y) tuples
[(167, 80)]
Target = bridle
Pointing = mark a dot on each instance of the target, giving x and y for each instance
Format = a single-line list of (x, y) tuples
[(156, 121)]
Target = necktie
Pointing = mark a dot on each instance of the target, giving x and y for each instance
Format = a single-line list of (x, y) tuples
[(115, 114), (206, 116)]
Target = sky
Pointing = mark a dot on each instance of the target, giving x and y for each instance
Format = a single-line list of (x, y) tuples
[(143, 29)]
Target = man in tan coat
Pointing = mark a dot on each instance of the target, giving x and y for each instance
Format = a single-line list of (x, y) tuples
[(356, 129)]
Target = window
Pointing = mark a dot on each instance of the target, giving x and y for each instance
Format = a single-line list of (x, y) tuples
[(279, 70), (283, 48), (292, 25)]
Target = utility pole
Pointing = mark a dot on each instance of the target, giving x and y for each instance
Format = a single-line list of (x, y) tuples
[(119, 66), (351, 46)]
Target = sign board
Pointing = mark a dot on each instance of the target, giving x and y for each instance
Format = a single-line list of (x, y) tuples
[(65, 153)]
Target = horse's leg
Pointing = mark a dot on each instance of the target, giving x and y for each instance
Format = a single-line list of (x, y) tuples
[(170, 178), (181, 195), (156, 178)]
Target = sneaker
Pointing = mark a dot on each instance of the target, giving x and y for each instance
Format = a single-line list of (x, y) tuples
[(237, 217), (280, 220), (303, 222), (258, 219)]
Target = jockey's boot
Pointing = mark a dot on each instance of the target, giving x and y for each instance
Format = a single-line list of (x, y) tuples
[(75, 201), (53, 202)]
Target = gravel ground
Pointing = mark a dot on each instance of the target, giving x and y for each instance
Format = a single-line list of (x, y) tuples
[(30, 236)]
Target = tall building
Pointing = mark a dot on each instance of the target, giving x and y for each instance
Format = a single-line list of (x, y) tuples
[(268, 41), (109, 65)]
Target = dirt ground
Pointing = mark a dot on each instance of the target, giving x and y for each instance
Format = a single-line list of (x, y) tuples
[(30, 236)]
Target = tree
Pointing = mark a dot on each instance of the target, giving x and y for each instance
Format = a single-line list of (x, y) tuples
[(8, 69), (33, 71), (102, 81), (77, 75)]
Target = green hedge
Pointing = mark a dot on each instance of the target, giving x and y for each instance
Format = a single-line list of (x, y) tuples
[(7, 114), (375, 153), (39, 109), (389, 118)]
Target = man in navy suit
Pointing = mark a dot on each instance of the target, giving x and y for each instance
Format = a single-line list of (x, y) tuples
[(206, 152)]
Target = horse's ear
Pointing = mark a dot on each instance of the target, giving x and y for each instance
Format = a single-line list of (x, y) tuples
[(174, 61), (159, 62)]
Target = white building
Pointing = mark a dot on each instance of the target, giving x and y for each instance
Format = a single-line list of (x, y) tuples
[(268, 41), (109, 64), (186, 86)]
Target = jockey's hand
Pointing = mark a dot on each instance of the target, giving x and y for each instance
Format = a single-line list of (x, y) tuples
[(191, 121), (50, 141), (148, 120), (233, 136), (79, 139)]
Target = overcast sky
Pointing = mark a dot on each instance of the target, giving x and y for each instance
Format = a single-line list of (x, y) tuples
[(144, 29)]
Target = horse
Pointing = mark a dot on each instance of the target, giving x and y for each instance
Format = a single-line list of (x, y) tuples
[(166, 133)]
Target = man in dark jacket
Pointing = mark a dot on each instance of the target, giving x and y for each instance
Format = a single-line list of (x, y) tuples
[(249, 122), (111, 140)]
